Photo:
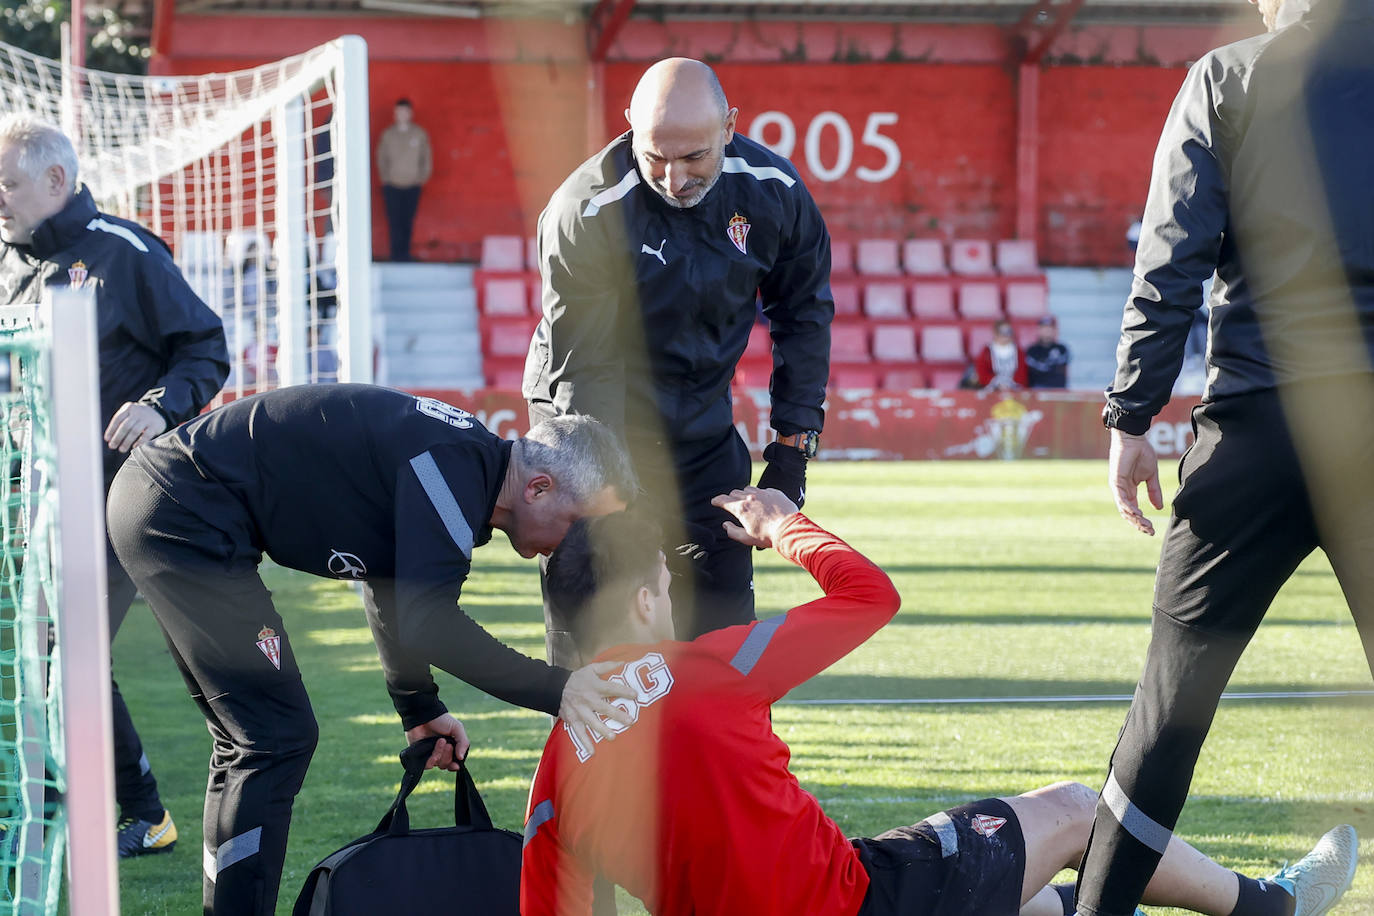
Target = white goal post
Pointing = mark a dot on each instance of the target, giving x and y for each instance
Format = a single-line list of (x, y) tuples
[(258, 179)]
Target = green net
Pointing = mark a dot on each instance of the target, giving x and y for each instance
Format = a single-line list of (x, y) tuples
[(32, 819)]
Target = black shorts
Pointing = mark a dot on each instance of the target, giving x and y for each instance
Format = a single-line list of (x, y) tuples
[(967, 861)]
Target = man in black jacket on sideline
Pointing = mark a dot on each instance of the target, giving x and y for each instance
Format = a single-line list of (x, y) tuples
[(162, 358), (358, 483), (653, 255), (1263, 174)]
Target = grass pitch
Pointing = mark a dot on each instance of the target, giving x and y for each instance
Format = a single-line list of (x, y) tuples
[(1018, 580)]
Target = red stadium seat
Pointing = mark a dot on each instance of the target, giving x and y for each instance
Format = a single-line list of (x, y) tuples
[(932, 300), (841, 257), (885, 300), (942, 344), (504, 297), (924, 258), (1027, 300), (1025, 333), (1016, 257), (846, 299), (878, 257), (849, 377), (848, 343), (894, 343), (510, 337), (945, 379), (503, 252), (979, 336), (970, 257), (904, 379), (980, 301)]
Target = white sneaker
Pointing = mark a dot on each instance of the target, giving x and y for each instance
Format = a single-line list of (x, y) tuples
[(1321, 877)]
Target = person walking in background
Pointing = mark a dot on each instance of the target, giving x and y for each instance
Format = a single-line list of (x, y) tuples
[(404, 163), (1001, 366), (162, 358), (1047, 360)]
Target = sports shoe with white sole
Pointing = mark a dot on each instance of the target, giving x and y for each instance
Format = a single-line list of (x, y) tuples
[(1321, 877), (138, 837)]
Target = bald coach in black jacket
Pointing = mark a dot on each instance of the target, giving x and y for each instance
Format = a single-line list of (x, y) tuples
[(653, 255)]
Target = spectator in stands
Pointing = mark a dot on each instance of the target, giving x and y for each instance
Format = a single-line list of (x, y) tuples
[(404, 164), (162, 358), (1047, 360), (1001, 366), (321, 361)]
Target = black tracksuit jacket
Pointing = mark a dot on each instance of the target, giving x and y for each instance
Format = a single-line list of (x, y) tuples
[(358, 482), (1263, 174), (647, 308), (159, 344)]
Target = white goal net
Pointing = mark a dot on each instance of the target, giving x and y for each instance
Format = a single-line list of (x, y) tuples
[(258, 180)]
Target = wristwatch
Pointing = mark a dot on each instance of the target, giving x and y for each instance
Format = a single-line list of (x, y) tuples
[(808, 442)]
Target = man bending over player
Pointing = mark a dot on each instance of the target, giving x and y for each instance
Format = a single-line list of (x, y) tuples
[(694, 811)]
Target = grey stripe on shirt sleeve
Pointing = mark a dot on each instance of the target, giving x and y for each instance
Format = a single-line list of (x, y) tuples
[(436, 487)]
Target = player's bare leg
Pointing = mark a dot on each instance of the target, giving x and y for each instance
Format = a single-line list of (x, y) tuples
[(1055, 821)]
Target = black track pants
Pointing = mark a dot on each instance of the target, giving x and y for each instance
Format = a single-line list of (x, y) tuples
[(1268, 480), (234, 654)]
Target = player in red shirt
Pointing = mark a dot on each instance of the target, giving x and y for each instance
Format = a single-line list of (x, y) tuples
[(692, 807)]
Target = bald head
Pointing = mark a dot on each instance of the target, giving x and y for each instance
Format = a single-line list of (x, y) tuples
[(676, 90), (681, 123)]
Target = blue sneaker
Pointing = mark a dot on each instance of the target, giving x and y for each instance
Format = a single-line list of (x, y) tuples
[(1321, 877)]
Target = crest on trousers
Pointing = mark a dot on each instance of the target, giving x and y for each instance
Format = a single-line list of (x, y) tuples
[(270, 644), (986, 824), (77, 274), (738, 231)]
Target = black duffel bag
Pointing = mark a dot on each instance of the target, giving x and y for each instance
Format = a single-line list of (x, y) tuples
[(395, 869)]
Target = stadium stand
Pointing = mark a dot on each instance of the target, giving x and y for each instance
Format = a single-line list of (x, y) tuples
[(908, 313)]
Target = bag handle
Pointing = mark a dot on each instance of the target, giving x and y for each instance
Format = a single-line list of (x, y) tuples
[(468, 808)]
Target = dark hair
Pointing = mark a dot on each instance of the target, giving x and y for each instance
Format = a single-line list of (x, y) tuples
[(403, 101), (599, 564)]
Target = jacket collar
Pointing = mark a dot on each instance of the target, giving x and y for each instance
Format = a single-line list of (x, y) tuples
[(61, 230)]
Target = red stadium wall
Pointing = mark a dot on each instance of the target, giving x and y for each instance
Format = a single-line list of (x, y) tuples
[(913, 131)]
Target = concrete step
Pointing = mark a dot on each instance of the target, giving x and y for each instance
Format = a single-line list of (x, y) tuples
[(432, 321), (405, 343), (422, 299), (423, 276)]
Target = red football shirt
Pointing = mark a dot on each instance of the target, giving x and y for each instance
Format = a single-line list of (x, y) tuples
[(692, 807)]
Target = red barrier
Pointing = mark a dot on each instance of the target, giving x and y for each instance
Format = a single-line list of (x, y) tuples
[(916, 425)]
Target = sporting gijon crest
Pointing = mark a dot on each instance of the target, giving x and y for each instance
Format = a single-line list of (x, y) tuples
[(738, 231)]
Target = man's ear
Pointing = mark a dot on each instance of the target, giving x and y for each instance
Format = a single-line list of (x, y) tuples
[(730, 120), (627, 111), (55, 180), (644, 604), (537, 486)]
